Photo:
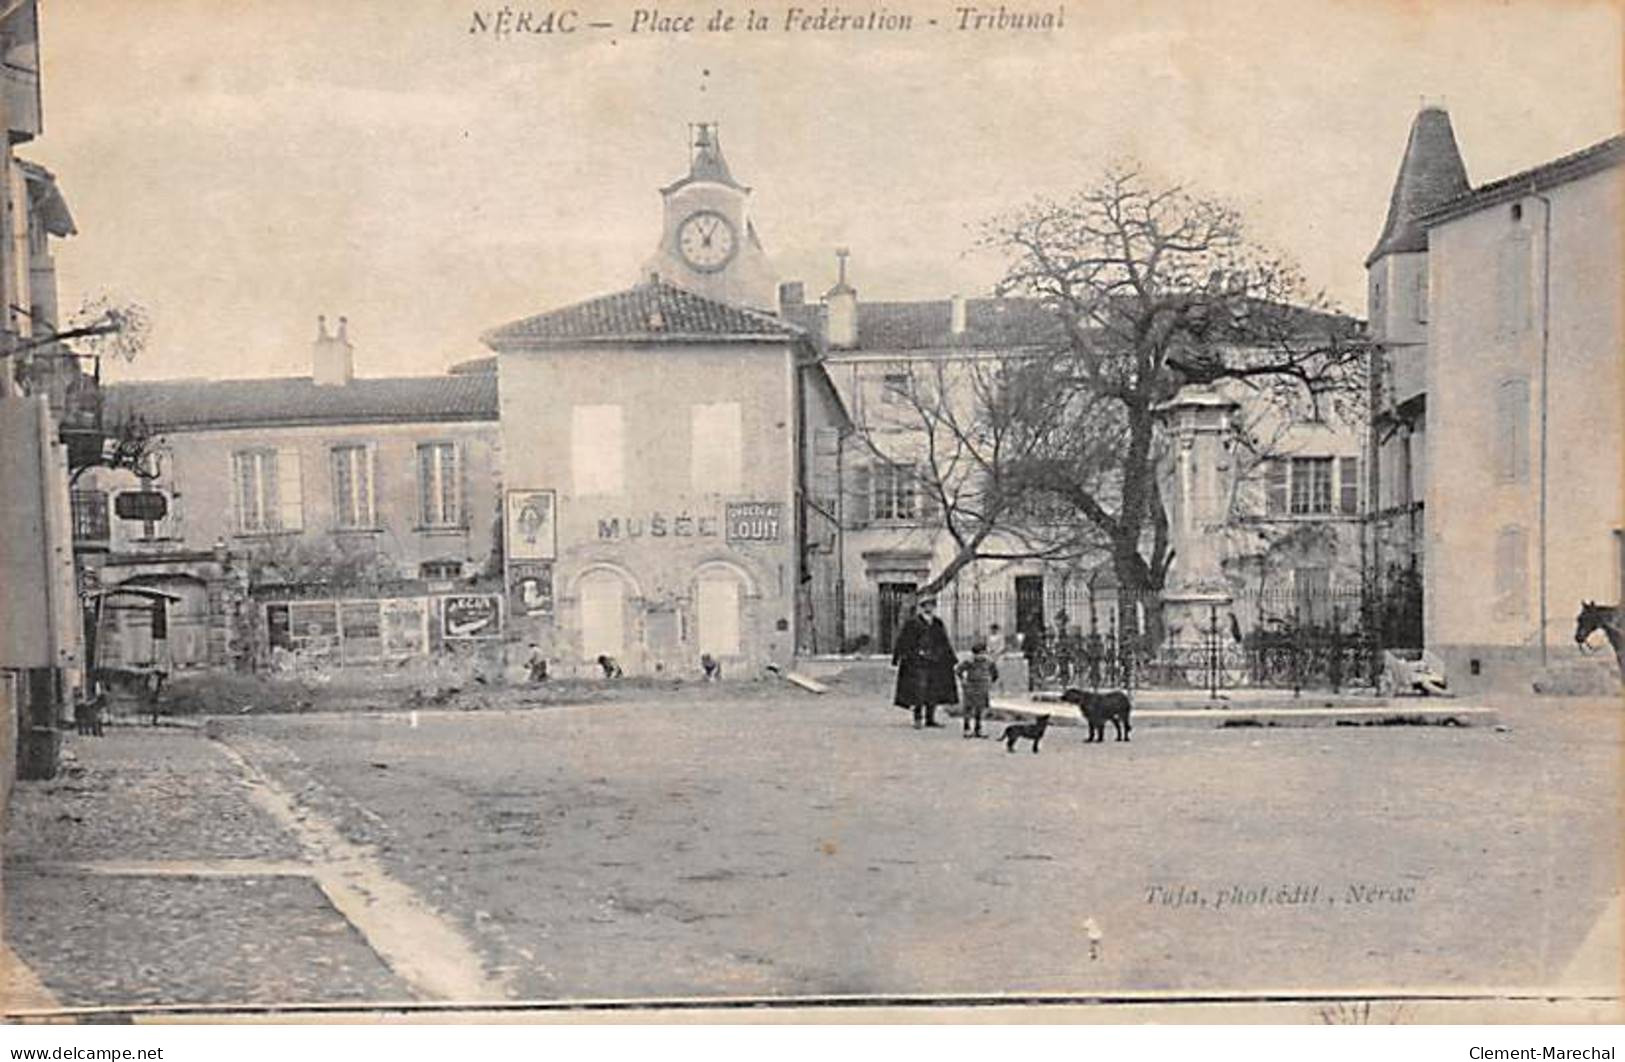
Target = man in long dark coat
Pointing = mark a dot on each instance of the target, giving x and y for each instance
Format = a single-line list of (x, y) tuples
[(924, 659)]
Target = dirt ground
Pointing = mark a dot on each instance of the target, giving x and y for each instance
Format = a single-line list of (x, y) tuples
[(792, 845)]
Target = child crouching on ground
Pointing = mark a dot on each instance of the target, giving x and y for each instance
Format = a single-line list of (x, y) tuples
[(977, 676)]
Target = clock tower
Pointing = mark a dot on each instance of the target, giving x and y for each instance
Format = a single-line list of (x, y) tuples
[(708, 244)]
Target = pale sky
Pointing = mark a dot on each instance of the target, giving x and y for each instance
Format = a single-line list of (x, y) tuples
[(240, 167)]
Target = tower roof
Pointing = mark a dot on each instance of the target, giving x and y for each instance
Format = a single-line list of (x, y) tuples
[(1430, 175), (706, 163)]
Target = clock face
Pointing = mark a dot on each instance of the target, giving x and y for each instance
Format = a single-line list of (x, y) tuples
[(707, 241)]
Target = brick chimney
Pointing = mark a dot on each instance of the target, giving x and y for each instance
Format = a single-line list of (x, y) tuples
[(956, 315), (332, 362), (791, 293), (842, 301)]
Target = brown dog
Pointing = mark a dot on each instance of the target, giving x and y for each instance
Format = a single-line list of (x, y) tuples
[(1097, 708)]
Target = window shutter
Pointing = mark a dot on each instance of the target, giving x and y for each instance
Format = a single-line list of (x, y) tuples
[(1278, 489), (928, 504), (236, 463), (425, 485), (459, 454), (1349, 485), (860, 497), (290, 493), (371, 515)]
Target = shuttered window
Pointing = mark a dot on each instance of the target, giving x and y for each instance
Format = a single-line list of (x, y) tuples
[(440, 477), (1511, 573), (717, 448), (596, 441), (1512, 430), (353, 487), (267, 491)]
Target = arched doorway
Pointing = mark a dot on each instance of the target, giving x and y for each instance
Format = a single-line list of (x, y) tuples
[(602, 594), (721, 591)]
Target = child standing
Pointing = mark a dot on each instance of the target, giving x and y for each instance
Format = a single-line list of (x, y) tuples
[(977, 676)]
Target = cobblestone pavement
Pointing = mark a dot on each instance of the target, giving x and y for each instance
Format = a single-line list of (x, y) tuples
[(138, 877), (822, 846), (825, 847)]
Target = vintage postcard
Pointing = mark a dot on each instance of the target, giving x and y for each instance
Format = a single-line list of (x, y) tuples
[(825, 510)]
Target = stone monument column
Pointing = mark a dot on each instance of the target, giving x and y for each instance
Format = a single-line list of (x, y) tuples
[(1196, 477)]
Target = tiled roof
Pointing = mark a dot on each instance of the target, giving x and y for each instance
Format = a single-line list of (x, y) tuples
[(1002, 324), (928, 324), (1430, 175), (652, 312), (488, 363), (1594, 159), (171, 404)]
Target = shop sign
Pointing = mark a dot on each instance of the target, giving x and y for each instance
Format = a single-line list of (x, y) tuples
[(755, 521), (472, 615)]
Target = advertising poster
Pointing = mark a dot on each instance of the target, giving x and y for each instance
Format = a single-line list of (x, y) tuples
[(531, 586), (532, 527), (472, 615)]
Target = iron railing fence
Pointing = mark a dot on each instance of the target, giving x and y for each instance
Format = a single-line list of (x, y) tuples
[(1290, 639)]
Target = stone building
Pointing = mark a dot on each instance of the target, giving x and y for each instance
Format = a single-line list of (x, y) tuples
[(1431, 173), (324, 519), (1280, 528), (661, 446), (1525, 377)]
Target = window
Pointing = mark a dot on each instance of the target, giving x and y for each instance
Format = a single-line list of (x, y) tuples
[(1422, 296), (1512, 431), (1307, 486), (718, 448), (440, 486), (893, 489), (1511, 573), (595, 450), (352, 487), (895, 388), (441, 569), (267, 495), (90, 518), (1311, 485)]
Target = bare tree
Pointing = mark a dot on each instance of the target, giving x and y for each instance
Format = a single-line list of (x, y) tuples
[(1156, 288), (969, 432)]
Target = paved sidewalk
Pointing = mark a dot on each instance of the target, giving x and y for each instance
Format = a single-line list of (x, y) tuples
[(161, 868)]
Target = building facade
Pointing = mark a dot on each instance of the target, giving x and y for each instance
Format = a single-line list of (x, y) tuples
[(1525, 380), (300, 517), (660, 450), (1277, 531)]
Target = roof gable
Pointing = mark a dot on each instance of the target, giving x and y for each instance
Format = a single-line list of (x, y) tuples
[(656, 312), (1571, 167)]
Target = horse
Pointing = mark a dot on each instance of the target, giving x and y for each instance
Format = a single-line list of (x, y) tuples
[(1607, 618)]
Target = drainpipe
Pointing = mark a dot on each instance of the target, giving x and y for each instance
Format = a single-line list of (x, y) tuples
[(1545, 404)]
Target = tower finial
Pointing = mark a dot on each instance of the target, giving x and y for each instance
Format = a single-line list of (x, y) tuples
[(841, 255)]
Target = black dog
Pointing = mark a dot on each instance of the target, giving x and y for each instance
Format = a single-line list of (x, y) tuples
[(1017, 731), (612, 670), (1097, 708), (89, 715)]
